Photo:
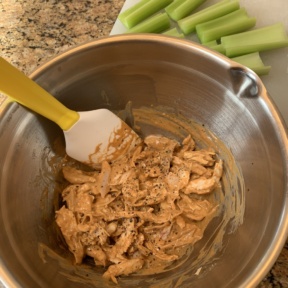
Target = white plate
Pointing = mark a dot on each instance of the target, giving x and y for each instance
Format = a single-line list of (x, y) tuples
[(266, 12)]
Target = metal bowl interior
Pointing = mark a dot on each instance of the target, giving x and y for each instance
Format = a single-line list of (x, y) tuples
[(148, 70)]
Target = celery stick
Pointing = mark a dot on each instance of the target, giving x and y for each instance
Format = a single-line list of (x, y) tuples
[(130, 10), (215, 46), (254, 62), (173, 32), (210, 43), (188, 24), (261, 39), (218, 47), (179, 9), (155, 24), (234, 22), (144, 11)]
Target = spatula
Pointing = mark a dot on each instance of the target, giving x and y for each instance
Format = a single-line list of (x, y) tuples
[(91, 136)]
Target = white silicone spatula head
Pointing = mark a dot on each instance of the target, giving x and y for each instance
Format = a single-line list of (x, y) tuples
[(99, 135), (91, 137)]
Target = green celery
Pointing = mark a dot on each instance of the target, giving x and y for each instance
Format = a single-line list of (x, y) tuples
[(155, 24), (210, 43), (232, 23), (179, 9), (215, 46), (254, 62), (143, 11), (261, 39), (173, 32), (218, 47), (130, 10), (188, 24)]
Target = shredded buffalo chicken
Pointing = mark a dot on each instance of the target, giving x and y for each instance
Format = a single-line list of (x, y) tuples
[(141, 208)]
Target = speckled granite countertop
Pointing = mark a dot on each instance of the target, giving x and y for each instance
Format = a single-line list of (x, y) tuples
[(31, 32)]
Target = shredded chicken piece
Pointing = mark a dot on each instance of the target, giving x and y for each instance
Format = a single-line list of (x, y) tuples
[(204, 185), (76, 176), (99, 256), (103, 183), (68, 224), (142, 207), (124, 268)]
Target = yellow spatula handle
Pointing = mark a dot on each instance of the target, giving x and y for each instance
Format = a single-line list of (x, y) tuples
[(23, 90)]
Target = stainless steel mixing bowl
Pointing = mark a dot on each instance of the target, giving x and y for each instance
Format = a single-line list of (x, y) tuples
[(148, 70)]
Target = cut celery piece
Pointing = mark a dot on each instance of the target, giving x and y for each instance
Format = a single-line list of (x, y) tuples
[(219, 48), (261, 39), (188, 24), (210, 43), (173, 32), (155, 24), (179, 9), (130, 10), (254, 62), (144, 11), (232, 23), (215, 46)]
